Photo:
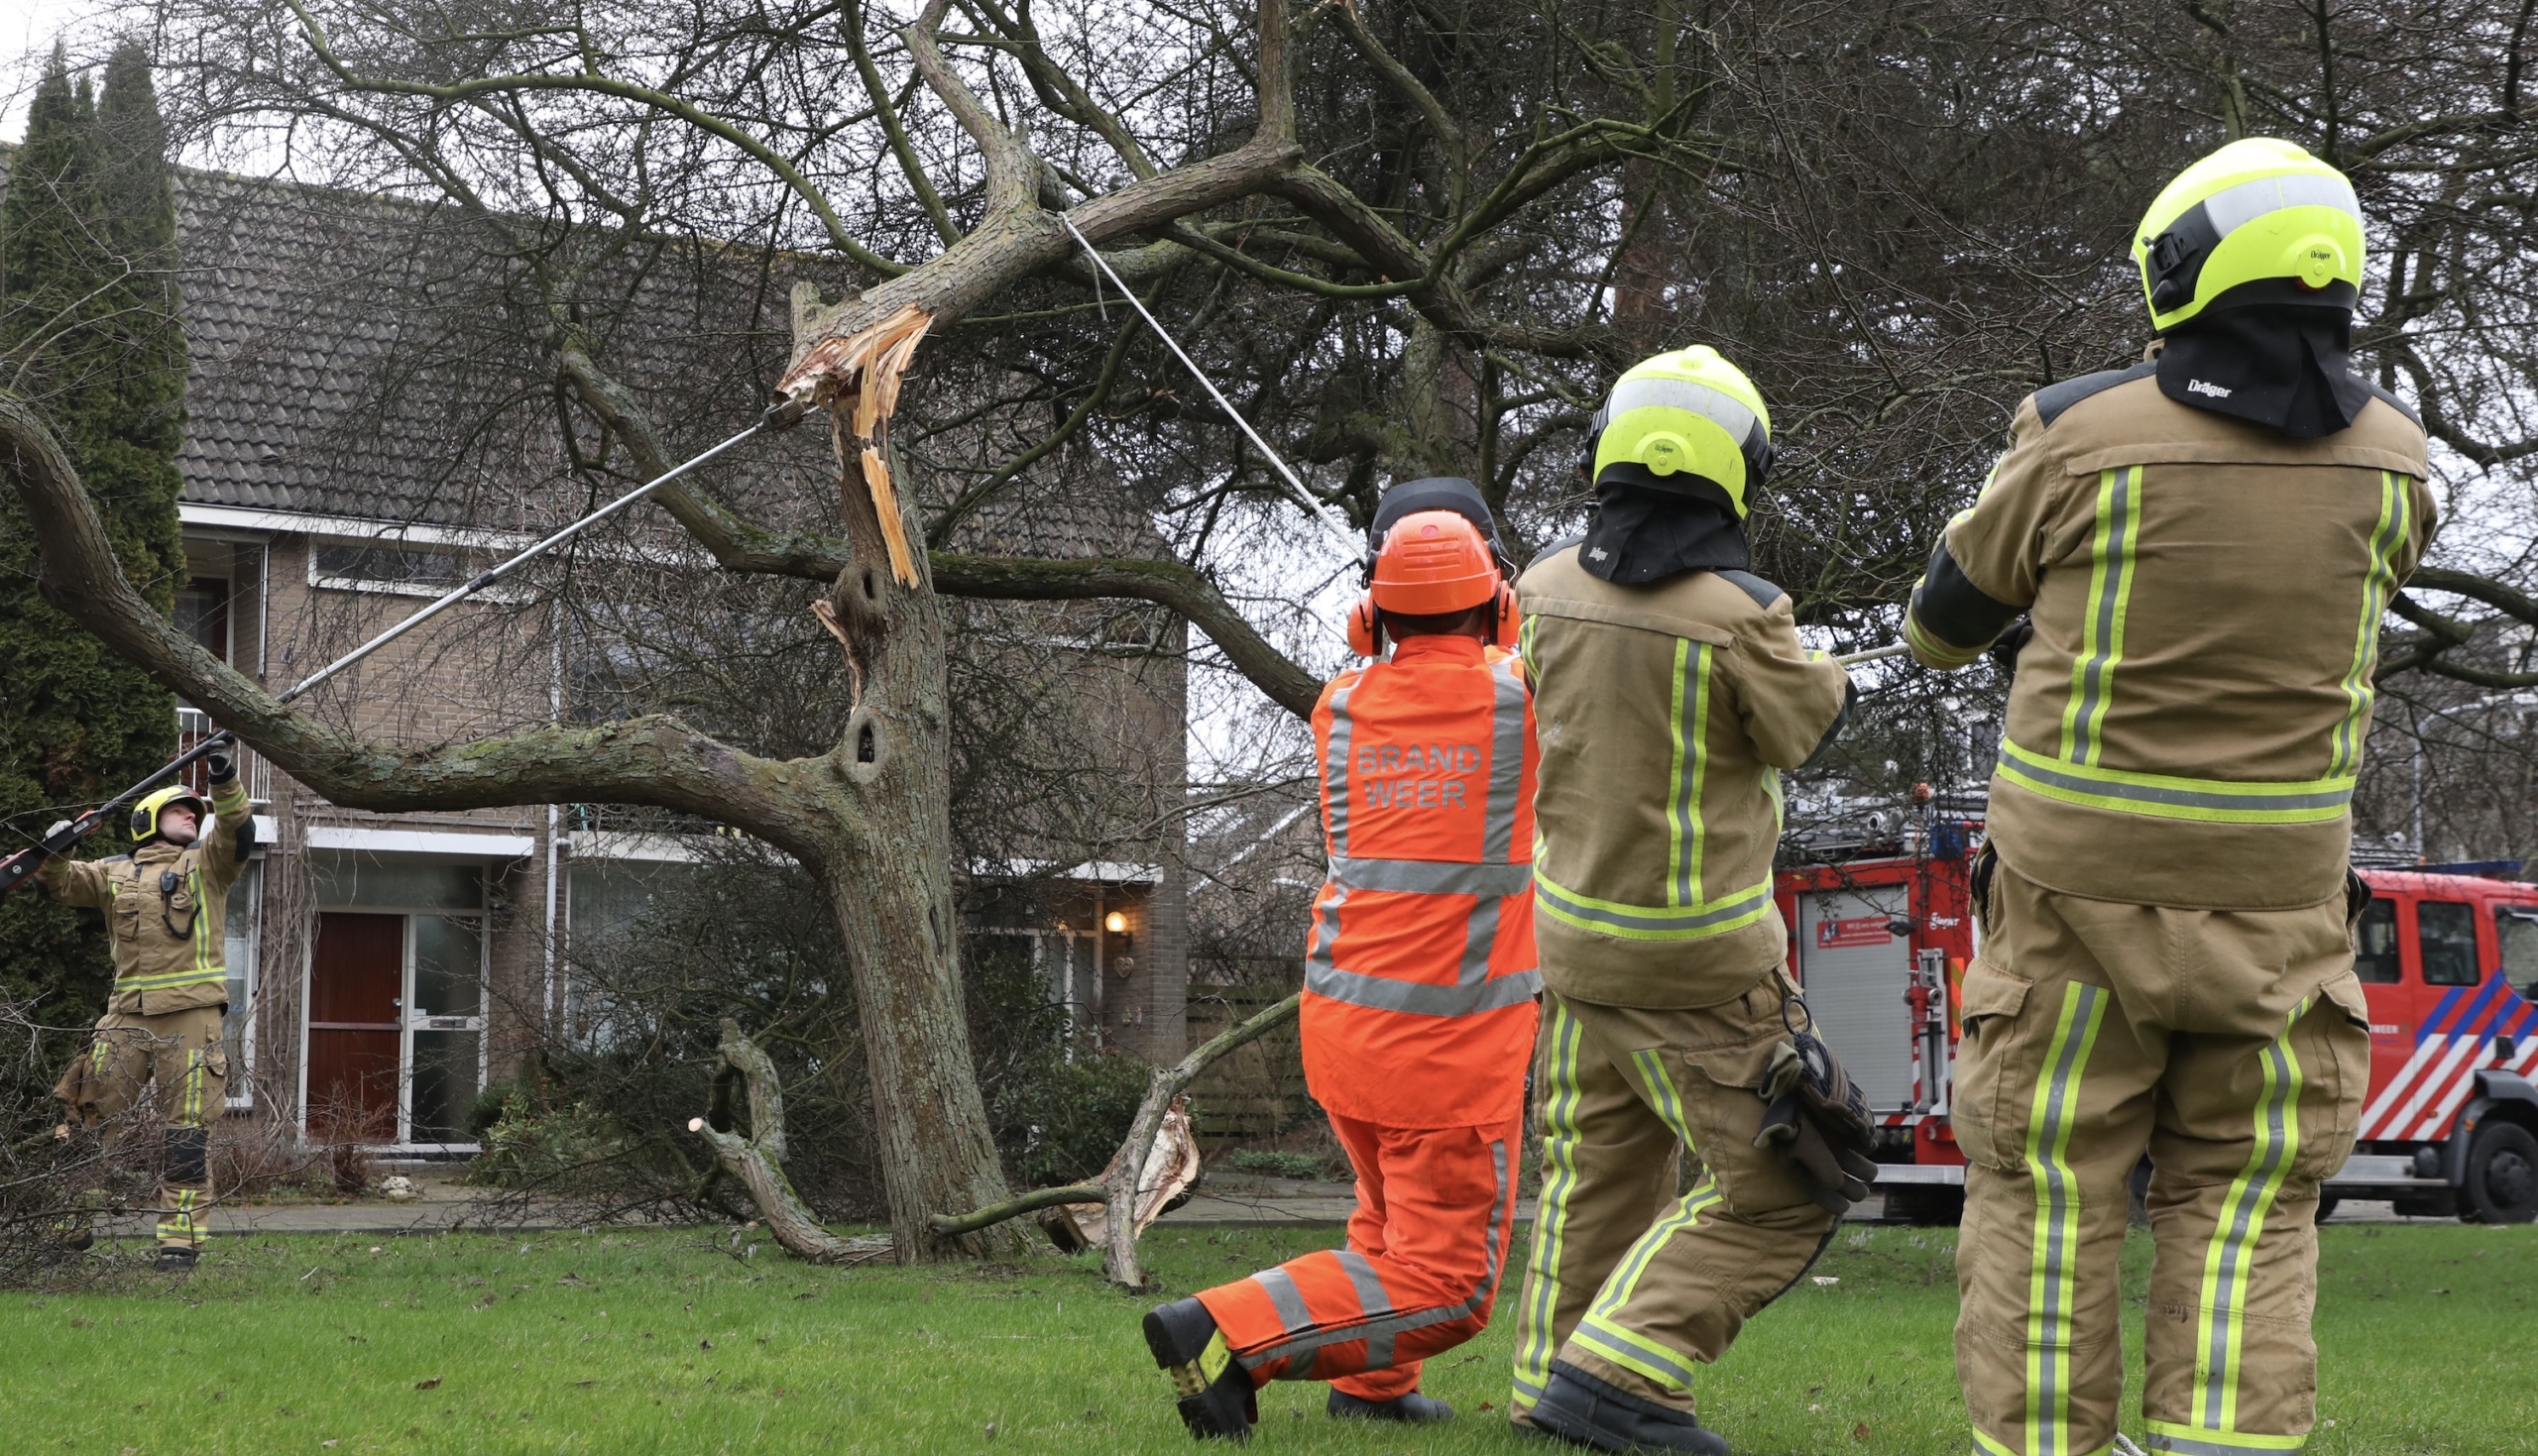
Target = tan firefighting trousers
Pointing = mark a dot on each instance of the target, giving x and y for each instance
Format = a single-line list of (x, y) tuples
[(181, 1051), (2235, 1048), (1629, 1283)]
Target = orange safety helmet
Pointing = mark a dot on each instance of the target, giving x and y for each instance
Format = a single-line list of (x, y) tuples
[(1429, 563)]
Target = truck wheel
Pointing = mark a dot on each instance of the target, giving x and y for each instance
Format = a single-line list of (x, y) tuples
[(2327, 1206), (2502, 1175)]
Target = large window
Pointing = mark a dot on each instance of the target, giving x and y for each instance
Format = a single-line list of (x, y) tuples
[(2376, 945), (2445, 932)]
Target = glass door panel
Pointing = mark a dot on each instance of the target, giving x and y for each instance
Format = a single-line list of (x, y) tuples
[(445, 1027)]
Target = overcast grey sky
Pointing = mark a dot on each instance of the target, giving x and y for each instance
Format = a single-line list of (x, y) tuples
[(26, 32)]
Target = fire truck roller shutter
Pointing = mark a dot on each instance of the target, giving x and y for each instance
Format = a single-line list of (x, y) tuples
[(1855, 971)]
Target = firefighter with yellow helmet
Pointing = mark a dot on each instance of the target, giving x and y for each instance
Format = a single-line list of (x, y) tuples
[(1669, 691), (165, 906), (2204, 544)]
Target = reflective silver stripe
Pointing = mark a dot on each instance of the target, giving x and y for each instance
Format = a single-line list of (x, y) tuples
[(1653, 917), (1621, 1352), (2033, 766), (1724, 411), (1371, 1298), (2057, 1210), (1337, 786), (1480, 933), (2111, 587), (1506, 765), (1387, 1328), (2215, 1444), (1431, 876), (1372, 1304), (1420, 999), (1285, 1298), (2232, 208), (1326, 934), (1691, 731)]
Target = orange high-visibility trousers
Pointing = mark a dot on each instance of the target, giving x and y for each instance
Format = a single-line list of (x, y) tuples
[(1425, 1247)]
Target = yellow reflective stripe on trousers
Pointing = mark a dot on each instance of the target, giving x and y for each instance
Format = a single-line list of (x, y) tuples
[(1562, 1133), (185, 1224), (2378, 583), (1648, 922), (2220, 1333), (2110, 548), (2172, 796), (2053, 1281), (1687, 728), (1599, 1330), (2186, 1440)]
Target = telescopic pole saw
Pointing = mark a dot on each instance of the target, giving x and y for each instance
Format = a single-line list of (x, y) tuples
[(24, 863)]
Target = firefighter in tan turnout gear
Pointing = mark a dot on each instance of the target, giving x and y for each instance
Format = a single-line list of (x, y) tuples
[(1671, 690), (2205, 542), (165, 906)]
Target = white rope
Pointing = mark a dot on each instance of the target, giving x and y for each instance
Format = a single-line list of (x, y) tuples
[(1348, 540)]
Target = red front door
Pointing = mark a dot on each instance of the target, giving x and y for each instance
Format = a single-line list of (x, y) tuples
[(356, 981)]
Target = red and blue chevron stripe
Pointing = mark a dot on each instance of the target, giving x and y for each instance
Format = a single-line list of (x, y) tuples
[(2455, 1039)]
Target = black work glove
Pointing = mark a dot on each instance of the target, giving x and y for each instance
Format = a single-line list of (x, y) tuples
[(1817, 1122), (220, 768), (2004, 647)]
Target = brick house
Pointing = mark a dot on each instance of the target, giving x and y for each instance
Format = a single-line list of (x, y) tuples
[(387, 969)]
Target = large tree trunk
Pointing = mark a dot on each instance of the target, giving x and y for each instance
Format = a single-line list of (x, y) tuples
[(890, 888)]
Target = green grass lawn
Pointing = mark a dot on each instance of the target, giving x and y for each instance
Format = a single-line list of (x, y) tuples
[(627, 1343)]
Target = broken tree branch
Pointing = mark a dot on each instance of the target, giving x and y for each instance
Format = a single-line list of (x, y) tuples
[(1119, 1253), (758, 1160), (951, 1225)]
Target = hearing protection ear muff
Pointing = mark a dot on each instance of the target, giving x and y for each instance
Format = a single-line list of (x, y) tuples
[(1366, 623), (1365, 629)]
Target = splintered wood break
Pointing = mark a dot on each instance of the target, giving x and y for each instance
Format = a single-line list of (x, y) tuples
[(856, 378), (885, 503)]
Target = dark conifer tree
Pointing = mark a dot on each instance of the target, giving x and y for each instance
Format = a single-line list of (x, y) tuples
[(88, 330)]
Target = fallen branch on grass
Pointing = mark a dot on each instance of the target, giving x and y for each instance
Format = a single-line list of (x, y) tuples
[(758, 1161), (1138, 1186)]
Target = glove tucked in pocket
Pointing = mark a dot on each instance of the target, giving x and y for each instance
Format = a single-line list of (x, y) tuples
[(1815, 1119)]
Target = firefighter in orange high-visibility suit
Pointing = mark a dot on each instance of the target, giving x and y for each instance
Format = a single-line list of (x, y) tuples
[(1417, 1014)]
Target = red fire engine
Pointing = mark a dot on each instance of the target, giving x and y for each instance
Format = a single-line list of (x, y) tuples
[(1880, 934)]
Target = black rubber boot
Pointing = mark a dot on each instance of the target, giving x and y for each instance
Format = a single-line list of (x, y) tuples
[(1584, 1411), (1216, 1390), (174, 1258), (1414, 1408)]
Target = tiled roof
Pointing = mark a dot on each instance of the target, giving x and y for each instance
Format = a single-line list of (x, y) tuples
[(338, 368)]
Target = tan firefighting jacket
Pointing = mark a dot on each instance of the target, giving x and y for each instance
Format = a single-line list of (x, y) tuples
[(1665, 714), (2187, 723), (167, 942)]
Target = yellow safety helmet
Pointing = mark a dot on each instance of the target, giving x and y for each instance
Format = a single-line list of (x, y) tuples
[(1690, 413), (2258, 213), (144, 815)]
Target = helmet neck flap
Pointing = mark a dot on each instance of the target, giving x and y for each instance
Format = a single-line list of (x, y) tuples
[(2284, 366)]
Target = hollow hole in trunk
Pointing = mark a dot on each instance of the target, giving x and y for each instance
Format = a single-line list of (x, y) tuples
[(872, 585), (867, 748)]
